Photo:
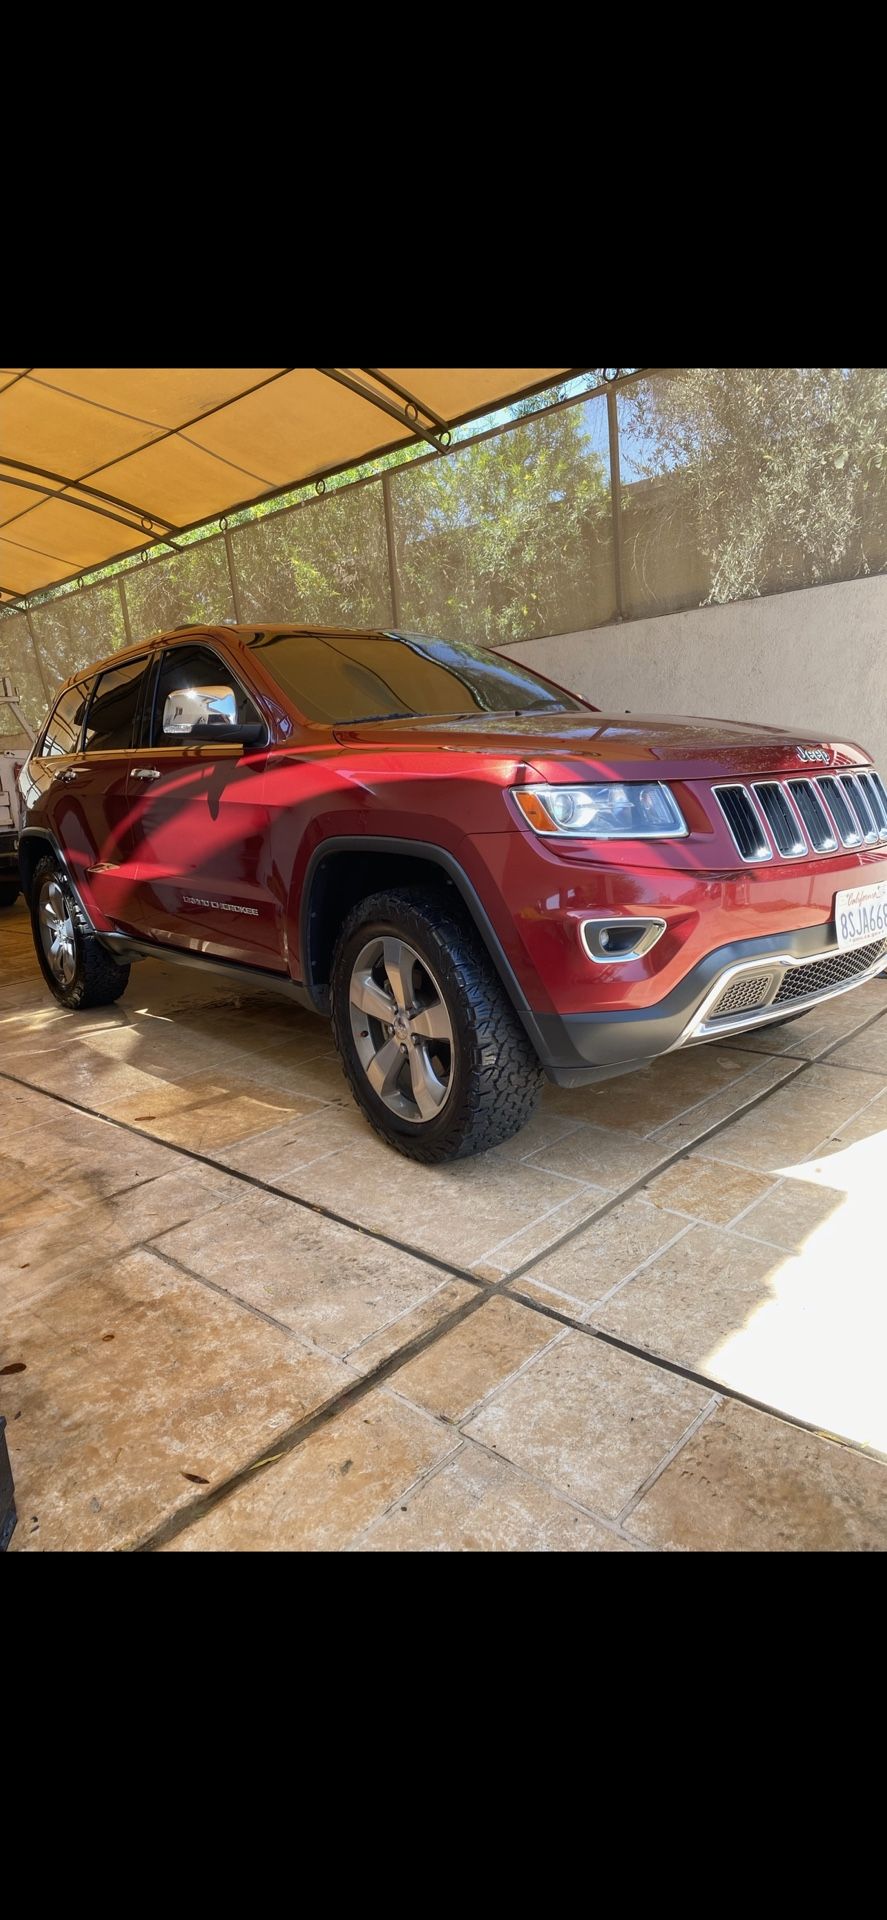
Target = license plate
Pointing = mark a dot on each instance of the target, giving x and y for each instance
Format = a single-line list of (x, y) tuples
[(861, 915)]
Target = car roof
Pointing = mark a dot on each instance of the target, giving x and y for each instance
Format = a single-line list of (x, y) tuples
[(207, 629)]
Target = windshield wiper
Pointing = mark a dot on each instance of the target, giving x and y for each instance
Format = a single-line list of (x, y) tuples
[(363, 719), (473, 713)]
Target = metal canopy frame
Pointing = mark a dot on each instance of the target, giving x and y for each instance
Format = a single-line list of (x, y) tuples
[(396, 402)]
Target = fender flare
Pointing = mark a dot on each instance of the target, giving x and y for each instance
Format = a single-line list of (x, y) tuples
[(50, 842), (417, 850)]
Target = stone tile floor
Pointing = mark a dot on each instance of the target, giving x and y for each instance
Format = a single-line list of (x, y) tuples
[(231, 1319)]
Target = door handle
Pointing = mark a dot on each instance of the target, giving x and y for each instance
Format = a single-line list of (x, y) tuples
[(146, 773), (72, 773)]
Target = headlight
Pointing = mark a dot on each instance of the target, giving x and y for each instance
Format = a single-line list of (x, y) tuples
[(608, 810)]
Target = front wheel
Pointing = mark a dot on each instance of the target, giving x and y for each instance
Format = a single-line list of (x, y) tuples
[(79, 970), (432, 1047)]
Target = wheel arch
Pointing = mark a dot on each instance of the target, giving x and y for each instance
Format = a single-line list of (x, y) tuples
[(345, 869), (34, 844)]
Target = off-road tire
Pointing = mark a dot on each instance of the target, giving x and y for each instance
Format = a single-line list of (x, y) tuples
[(98, 980), (9, 892), (496, 1076)]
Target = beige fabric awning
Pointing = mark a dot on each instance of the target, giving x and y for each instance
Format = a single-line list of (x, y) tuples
[(97, 462)]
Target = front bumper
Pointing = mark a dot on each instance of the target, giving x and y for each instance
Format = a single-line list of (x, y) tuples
[(581, 1047)]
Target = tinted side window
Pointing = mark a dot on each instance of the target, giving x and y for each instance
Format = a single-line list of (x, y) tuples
[(63, 732), (194, 667), (112, 709)]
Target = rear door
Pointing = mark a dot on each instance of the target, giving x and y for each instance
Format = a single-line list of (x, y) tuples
[(55, 771), (98, 782), (197, 811)]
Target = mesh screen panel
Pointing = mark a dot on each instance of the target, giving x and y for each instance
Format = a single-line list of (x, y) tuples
[(77, 629), (739, 481), (18, 663), (192, 586), (734, 482), (818, 978), (511, 537), (326, 561)]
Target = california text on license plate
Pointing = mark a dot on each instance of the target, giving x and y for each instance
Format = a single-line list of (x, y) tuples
[(861, 915)]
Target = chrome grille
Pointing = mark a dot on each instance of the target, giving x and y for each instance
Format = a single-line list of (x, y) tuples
[(845, 821), (742, 819), (855, 794), (797, 815), (780, 819), (877, 808), (878, 782), (814, 816), (797, 982)]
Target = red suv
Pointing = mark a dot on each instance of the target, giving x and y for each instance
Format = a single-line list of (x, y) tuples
[(477, 875)]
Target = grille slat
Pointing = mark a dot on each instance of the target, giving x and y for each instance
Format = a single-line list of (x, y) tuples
[(876, 805), (780, 819), (860, 805), (746, 829), (878, 782), (814, 816), (798, 982), (844, 818)]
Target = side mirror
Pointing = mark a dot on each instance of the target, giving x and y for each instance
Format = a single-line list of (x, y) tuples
[(208, 713)]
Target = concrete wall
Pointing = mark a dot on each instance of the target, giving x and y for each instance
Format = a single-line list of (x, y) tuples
[(815, 659)]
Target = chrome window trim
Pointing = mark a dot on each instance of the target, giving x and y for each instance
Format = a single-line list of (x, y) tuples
[(649, 920), (697, 1029), (800, 851), (579, 786), (748, 860)]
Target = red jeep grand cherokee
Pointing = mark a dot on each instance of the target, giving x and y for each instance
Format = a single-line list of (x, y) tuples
[(477, 875)]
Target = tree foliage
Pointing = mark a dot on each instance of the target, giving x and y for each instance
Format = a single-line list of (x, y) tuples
[(778, 475), (506, 538)]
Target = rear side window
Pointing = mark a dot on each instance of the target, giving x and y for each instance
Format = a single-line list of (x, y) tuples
[(112, 709), (66, 720)]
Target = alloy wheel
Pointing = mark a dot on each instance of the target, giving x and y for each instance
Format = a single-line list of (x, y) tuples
[(401, 1029), (57, 934)]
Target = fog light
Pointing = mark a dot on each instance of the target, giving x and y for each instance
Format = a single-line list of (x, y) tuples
[(609, 941)]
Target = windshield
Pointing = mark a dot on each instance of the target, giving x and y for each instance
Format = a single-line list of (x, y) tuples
[(343, 678)]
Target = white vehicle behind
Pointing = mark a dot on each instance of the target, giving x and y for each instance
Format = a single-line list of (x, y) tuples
[(16, 741)]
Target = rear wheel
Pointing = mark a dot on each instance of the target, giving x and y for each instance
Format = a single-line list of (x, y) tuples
[(9, 892), (74, 964), (434, 1052)]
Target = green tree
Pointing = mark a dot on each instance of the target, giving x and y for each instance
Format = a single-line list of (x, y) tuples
[(776, 475), (509, 537)]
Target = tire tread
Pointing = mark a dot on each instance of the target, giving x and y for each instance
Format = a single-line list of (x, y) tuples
[(502, 1078), (99, 980)]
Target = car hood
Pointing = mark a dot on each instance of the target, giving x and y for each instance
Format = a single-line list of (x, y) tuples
[(674, 745)]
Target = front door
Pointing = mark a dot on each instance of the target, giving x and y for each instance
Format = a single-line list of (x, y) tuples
[(203, 875)]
